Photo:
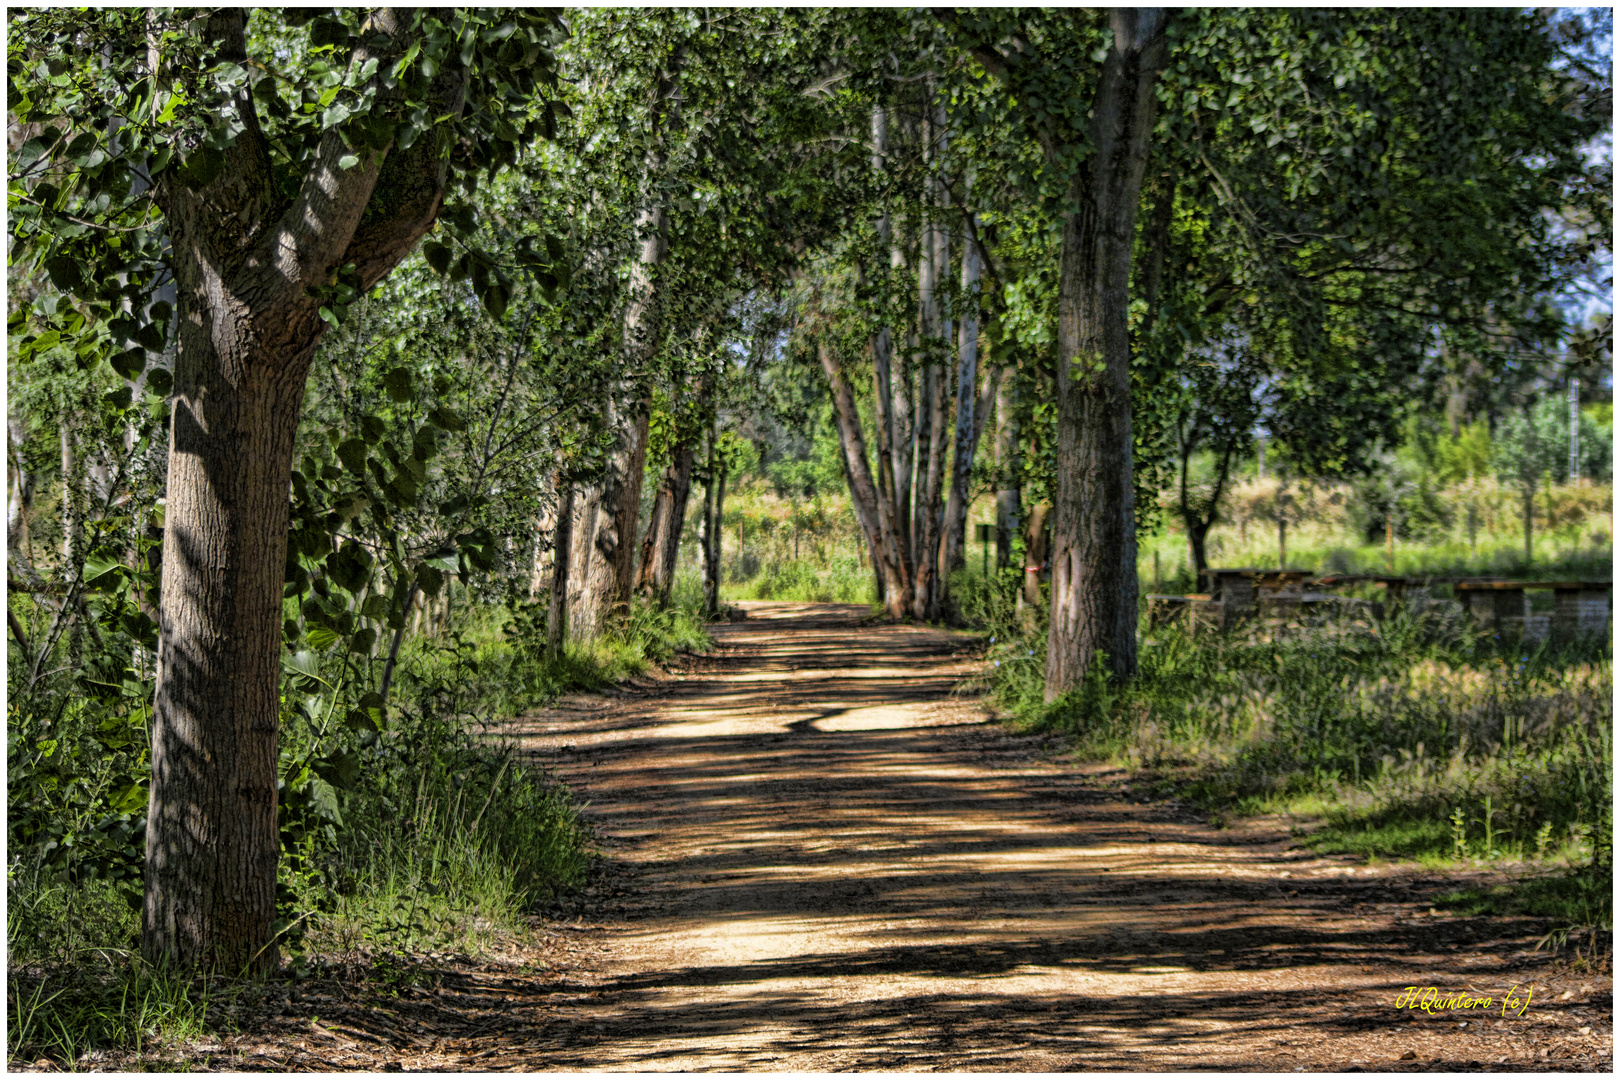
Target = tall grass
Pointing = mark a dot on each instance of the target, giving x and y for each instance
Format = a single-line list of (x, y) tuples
[(425, 833), (1411, 737), (843, 581)]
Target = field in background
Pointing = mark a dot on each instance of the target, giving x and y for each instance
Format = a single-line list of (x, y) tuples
[(777, 548)]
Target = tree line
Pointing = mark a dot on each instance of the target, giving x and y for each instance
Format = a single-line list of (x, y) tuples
[(335, 312)]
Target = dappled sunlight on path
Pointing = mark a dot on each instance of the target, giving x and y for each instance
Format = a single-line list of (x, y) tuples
[(830, 862)]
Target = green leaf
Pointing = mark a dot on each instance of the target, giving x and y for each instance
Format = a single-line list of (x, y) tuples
[(65, 273), (323, 799), (303, 669), (352, 452), (99, 566), (131, 800), (398, 384), (447, 418), (437, 256), (321, 638), (129, 363)]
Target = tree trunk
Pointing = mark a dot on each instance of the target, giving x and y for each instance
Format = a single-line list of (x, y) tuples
[(968, 419), (1036, 550), (19, 548), (1094, 505), (562, 545), (610, 587), (663, 541), (584, 565), (71, 524), (1008, 468), (714, 499), (211, 839), (934, 323), (881, 542), (248, 326), (891, 509)]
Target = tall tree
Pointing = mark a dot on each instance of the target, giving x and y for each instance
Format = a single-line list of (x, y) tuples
[(273, 217)]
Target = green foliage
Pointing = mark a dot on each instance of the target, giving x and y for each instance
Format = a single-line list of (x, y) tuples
[(121, 104), (1382, 734)]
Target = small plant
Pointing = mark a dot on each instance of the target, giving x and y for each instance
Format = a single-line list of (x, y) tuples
[(1543, 841), (1459, 834)]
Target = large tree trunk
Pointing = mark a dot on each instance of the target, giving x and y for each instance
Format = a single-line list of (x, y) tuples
[(211, 840), (1094, 505), (880, 539), (932, 411), (584, 565), (893, 515), (248, 326), (1036, 551), (610, 587)]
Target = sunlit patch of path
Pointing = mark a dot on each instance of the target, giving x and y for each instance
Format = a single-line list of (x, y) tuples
[(835, 862)]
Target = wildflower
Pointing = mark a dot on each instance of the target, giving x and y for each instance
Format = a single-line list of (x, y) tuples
[(998, 663)]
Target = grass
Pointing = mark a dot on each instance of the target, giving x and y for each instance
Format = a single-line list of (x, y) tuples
[(844, 581), (1410, 739), (436, 837), (76, 982)]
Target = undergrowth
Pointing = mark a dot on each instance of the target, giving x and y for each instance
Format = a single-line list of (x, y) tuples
[(419, 829), (1407, 738)]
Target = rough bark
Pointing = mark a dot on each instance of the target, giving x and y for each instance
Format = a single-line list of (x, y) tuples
[(244, 263), (562, 544), (881, 542), (714, 499), (1035, 551), (896, 591), (1094, 515), (584, 569), (609, 588), (1008, 469), (661, 545), (969, 416), (932, 410)]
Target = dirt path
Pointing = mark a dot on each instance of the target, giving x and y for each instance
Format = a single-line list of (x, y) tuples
[(824, 861), (818, 859)]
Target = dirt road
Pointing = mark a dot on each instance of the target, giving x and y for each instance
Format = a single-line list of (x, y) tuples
[(822, 860), (819, 859)]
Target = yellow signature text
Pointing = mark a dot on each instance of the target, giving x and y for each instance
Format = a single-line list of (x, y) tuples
[(1430, 999)]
